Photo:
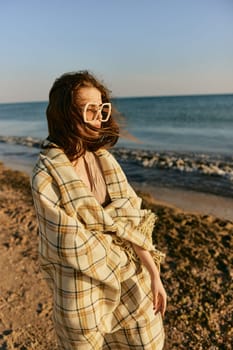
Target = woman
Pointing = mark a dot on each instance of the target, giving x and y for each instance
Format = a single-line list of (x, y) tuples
[(95, 246)]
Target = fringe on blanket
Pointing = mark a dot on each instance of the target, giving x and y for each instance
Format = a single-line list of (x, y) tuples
[(146, 228)]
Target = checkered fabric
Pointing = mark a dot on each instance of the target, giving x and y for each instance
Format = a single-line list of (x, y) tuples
[(101, 292)]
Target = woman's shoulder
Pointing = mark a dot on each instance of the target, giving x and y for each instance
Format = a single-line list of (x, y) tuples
[(39, 174), (46, 161), (103, 152)]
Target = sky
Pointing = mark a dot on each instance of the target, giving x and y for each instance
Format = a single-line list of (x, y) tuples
[(136, 47)]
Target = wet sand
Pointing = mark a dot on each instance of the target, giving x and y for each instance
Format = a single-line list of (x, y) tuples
[(197, 272), (191, 201)]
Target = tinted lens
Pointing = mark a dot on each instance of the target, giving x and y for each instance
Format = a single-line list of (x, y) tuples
[(105, 112), (91, 112)]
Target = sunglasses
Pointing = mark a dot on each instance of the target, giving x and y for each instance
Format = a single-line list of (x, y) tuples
[(93, 111)]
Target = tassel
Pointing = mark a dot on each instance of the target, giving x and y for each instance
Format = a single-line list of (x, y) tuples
[(146, 228)]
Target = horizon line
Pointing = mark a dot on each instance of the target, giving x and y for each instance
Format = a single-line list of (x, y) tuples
[(135, 96)]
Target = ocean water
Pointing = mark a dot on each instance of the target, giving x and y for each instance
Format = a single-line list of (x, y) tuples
[(183, 141), (191, 123)]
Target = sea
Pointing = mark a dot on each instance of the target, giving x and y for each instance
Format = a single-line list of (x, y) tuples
[(181, 142)]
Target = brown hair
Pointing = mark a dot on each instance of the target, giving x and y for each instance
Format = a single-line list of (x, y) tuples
[(64, 114)]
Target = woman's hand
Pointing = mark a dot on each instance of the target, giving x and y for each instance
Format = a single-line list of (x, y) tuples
[(159, 294), (158, 291)]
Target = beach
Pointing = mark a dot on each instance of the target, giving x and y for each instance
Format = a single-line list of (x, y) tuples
[(155, 78), (196, 273), (182, 167)]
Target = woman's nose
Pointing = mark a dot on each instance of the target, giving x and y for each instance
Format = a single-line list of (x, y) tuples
[(98, 119), (97, 123)]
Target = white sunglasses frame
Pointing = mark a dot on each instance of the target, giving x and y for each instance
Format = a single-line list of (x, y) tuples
[(100, 108)]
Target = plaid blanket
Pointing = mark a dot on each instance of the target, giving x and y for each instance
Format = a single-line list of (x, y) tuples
[(86, 249)]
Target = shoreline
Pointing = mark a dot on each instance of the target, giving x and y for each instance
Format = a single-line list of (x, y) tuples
[(188, 201), (188, 171), (191, 201)]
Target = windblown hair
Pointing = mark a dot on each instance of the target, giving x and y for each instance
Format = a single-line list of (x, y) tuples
[(64, 115)]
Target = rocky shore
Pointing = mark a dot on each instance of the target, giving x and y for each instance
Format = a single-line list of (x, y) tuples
[(197, 274), (199, 163), (207, 164)]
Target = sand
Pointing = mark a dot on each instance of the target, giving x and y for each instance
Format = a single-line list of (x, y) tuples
[(197, 274), (191, 201)]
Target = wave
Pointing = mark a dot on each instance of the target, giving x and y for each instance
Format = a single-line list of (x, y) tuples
[(205, 164), (22, 140), (189, 162)]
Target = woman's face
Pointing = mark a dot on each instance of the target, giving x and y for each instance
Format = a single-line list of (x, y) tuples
[(90, 95)]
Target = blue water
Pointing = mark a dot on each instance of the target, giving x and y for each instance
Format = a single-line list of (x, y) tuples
[(23, 119), (191, 123), (185, 125)]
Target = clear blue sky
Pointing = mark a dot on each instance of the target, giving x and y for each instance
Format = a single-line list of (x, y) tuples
[(138, 47)]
